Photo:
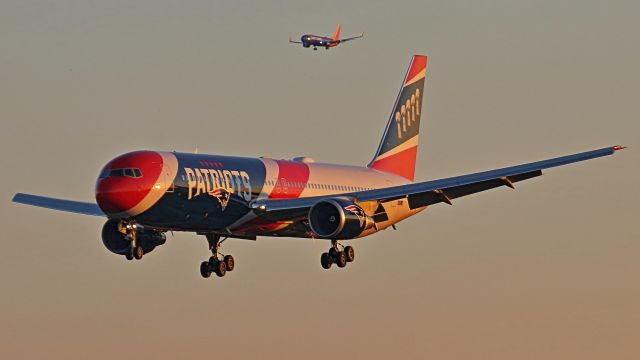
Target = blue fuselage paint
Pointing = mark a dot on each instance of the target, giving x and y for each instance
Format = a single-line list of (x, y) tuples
[(316, 41)]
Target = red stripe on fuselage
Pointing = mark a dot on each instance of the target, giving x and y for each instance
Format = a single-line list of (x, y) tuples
[(292, 178), (402, 163), (419, 64)]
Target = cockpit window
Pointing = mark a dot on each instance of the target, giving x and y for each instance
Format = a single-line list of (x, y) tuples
[(129, 172)]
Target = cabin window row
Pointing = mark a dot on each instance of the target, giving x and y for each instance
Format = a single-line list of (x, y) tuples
[(300, 185)]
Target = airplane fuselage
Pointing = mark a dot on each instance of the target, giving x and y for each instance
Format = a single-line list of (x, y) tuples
[(318, 41), (214, 193)]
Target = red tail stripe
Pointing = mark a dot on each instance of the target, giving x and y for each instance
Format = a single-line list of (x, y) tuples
[(402, 163), (419, 64)]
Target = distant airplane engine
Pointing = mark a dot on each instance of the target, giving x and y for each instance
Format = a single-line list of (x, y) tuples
[(338, 218), (116, 242)]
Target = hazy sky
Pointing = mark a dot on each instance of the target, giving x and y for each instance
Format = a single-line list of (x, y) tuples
[(547, 271)]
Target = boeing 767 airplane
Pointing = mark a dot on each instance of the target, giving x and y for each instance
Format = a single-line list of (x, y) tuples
[(144, 194)]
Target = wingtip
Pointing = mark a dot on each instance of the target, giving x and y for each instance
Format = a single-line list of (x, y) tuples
[(619, 147)]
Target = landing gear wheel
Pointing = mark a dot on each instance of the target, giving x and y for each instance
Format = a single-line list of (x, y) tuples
[(129, 255), (138, 252), (333, 252), (229, 262), (341, 259), (351, 254), (315, 48), (205, 269), (220, 268), (325, 261)]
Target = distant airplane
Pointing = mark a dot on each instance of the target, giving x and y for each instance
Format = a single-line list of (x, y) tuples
[(323, 41), (145, 194)]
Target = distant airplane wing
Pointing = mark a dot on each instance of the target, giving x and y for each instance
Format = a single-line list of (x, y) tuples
[(295, 42), (77, 207), (352, 38), (430, 192)]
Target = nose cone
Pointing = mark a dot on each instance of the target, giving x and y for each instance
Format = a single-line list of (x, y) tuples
[(131, 183)]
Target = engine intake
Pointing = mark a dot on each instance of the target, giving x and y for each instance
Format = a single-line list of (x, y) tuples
[(338, 218), (116, 242)]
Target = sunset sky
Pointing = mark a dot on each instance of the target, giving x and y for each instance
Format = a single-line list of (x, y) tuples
[(548, 271)]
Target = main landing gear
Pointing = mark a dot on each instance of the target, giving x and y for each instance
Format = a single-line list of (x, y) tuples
[(218, 263), (338, 254)]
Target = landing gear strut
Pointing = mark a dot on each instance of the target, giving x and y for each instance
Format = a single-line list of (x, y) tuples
[(218, 263), (337, 254), (130, 231)]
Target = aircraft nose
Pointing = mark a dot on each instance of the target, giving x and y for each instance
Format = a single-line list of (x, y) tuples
[(131, 183)]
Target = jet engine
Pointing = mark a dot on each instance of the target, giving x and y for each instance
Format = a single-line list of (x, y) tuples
[(115, 241), (338, 218)]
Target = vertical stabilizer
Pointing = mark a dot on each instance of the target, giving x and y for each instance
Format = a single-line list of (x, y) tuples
[(336, 35), (397, 151)]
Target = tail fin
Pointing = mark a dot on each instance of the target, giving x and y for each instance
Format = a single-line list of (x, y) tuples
[(397, 151), (336, 36)]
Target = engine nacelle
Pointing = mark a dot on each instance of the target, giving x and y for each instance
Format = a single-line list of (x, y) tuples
[(115, 241), (338, 218)]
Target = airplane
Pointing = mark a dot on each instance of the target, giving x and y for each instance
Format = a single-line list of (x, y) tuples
[(144, 194), (323, 41)]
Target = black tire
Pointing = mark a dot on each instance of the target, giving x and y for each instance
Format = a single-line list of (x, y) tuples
[(205, 269), (213, 260), (325, 261), (129, 254), (351, 254), (138, 252), (229, 262), (220, 268), (333, 253), (341, 259)]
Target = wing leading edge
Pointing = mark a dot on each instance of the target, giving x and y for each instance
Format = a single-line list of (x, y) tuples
[(77, 207), (436, 191)]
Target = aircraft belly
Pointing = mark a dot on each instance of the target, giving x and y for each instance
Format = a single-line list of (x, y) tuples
[(396, 210)]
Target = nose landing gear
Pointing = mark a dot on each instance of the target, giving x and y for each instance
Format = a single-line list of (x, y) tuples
[(135, 250), (337, 254), (218, 263)]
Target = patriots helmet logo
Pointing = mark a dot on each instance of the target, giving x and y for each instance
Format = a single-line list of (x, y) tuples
[(222, 195), (357, 211)]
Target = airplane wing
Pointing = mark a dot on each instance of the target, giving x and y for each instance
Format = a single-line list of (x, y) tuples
[(77, 207), (295, 42), (430, 192), (352, 38)]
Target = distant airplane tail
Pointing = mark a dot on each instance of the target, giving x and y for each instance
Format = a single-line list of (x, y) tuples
[(397, 151), (336, 36)]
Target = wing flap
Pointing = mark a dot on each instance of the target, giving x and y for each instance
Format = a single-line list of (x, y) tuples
[(77, 207), (419, 200)]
